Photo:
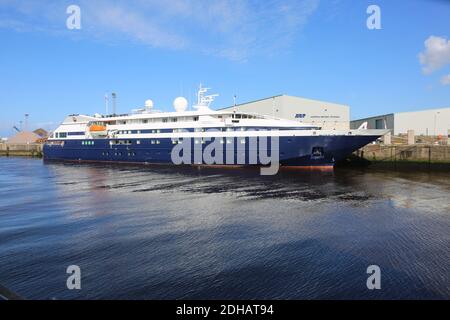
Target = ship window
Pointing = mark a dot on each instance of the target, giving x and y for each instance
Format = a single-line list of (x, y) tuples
[(243, 141), (164, 120), (195, 118), (229, 129), (63, 134), (158, 142), (222, 141), (138, 141), (229, 141), (139, 132), (174, 119), (238, 116), (144, 121), (197, 141)]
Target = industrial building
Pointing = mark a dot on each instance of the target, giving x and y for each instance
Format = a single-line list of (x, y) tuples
[(432, 122), (324, 114)]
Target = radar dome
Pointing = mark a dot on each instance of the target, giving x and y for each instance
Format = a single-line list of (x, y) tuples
[(180, 104), (148, 104)]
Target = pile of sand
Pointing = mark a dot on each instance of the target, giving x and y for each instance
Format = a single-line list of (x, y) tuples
[(23, 137)]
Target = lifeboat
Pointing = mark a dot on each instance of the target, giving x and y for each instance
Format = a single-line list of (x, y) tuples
[(97, 130)]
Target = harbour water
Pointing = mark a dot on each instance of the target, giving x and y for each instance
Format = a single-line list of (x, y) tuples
[(141, 232)]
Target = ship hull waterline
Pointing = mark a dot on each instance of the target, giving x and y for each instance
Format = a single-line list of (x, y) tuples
[(295, 152)]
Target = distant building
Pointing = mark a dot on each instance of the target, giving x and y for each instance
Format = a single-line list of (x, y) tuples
[(431, 122), (41, 133), (325, 114), (23, 137)]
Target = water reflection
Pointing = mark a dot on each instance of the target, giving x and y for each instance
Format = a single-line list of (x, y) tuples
[(180, 232)]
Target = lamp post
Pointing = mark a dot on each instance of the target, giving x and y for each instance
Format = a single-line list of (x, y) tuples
[(435, 120)]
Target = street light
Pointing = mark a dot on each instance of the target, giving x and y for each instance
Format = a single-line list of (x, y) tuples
[(435, 119)]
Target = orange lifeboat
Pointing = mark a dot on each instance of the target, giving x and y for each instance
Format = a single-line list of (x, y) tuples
[(97, 128)]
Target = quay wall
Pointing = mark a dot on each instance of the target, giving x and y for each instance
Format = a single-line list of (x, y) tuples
[(431, 154), (25, 150)]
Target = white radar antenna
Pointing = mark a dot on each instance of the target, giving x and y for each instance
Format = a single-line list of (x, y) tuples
[(204, 101)]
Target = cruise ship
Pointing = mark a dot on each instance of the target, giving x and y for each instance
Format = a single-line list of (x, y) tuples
[(201, 136)]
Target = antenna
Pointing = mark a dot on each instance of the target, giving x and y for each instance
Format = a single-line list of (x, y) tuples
[(204, 101), (114, 96), (26, 121), (106, 103)]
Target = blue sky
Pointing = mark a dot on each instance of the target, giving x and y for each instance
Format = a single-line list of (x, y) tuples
[(162, 49)]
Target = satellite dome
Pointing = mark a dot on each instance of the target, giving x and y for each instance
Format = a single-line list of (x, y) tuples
[(148, 104), (180, 104)]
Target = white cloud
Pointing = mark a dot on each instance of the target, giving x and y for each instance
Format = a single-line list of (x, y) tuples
[(445, 80), (436, 54), (234, 29)]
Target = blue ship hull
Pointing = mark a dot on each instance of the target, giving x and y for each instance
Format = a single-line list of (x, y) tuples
[(293, 151)]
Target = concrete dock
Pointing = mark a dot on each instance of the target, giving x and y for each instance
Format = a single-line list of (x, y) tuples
[(21, 150), (405, 153)]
